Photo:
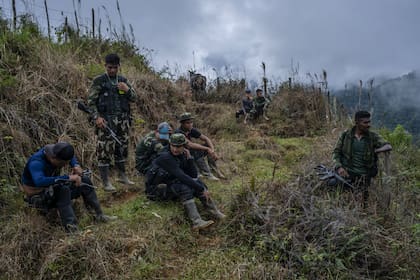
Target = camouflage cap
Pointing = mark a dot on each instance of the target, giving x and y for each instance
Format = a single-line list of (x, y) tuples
[(185, 116), (178, 139)]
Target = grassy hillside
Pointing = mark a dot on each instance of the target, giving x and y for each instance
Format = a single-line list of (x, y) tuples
[(282, 222)]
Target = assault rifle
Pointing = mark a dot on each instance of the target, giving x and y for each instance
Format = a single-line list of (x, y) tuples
[(325, 174), (82, 106), (86, 172)]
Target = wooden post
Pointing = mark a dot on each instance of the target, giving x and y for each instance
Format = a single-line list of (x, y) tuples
[(66, 31), (14, 14), (77, 23), (48, 20), (93, 23), (360, 95)]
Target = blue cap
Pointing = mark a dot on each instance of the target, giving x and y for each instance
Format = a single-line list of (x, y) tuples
[(164, 129)]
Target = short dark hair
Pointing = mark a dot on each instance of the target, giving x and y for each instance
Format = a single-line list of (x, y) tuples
[(258, 90), (113, 59), (361, 115)]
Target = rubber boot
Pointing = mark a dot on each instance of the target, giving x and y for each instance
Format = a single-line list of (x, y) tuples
[(68, 219), (91, 202), (214, 168), (204, 169), (122, 177), (212, 208), (192, 212), (104, 172)]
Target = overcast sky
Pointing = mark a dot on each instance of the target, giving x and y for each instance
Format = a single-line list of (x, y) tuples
[(351, 39)]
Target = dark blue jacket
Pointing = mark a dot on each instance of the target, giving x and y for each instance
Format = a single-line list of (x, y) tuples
[(39, 172)]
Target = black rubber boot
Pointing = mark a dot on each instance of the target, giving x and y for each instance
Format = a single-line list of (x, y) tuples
[(122, 177), (212, 208), (104, 173)]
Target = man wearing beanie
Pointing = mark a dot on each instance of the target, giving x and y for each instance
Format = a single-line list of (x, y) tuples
[(45, 188)]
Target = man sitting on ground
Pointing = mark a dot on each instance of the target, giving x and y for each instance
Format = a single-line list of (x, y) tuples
[(174, 176), (45, 188), (151, 145), (199, 151), (247, 105)]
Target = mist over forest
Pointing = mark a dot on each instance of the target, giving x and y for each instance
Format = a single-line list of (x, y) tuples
[(394, 101)]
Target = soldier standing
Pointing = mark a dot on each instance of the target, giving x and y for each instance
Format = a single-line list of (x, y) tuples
[(109, 99)]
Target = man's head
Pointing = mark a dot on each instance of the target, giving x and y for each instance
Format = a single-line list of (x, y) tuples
[(259, 92), (186, 120), (362, 120), (164, 130), (112, 64), (59, 154), (248, 92), (177, 142)]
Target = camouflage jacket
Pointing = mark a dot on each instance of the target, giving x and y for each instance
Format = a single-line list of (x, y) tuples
[(147, 150), (105, 99), (343, 154)]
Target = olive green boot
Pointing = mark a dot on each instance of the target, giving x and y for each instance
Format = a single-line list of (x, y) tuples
[(104, 173), (192, 212)]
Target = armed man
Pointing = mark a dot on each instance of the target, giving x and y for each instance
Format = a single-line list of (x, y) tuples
[(109, 100), (45, 188), (199, 151), (355, 154), (174, 176), (151, 145)]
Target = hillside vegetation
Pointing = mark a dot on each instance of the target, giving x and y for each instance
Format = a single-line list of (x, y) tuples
[(282, 222)]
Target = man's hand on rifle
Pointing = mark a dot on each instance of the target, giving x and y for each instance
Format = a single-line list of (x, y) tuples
[(76, 179), (342, 172), (100, 122)]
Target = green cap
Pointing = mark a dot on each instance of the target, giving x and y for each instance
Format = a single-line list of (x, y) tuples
[(185, 116), (177, 139)]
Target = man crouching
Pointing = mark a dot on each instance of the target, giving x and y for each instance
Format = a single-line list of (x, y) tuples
[(46, 189), (174, 175)]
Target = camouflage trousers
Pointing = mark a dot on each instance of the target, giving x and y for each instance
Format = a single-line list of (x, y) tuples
[(107, 148)]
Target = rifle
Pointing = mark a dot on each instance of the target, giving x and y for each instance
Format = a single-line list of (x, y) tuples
[(325, 173), (86, 172), (82, 106)]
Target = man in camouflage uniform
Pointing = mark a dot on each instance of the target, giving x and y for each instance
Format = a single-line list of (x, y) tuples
[(174, 176), (199, 151), (260, 103), (151, 145), (109, 98), (355, 154)]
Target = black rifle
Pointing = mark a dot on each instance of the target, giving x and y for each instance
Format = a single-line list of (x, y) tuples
[(82, 106), (325, 173), (85, 173)]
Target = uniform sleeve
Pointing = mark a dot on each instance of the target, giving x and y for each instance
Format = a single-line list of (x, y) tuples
[(379, 141), (94, 91), (74, 162), (131, 93), (169, 164), (195, 133), (338, 151), (36, 169)]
